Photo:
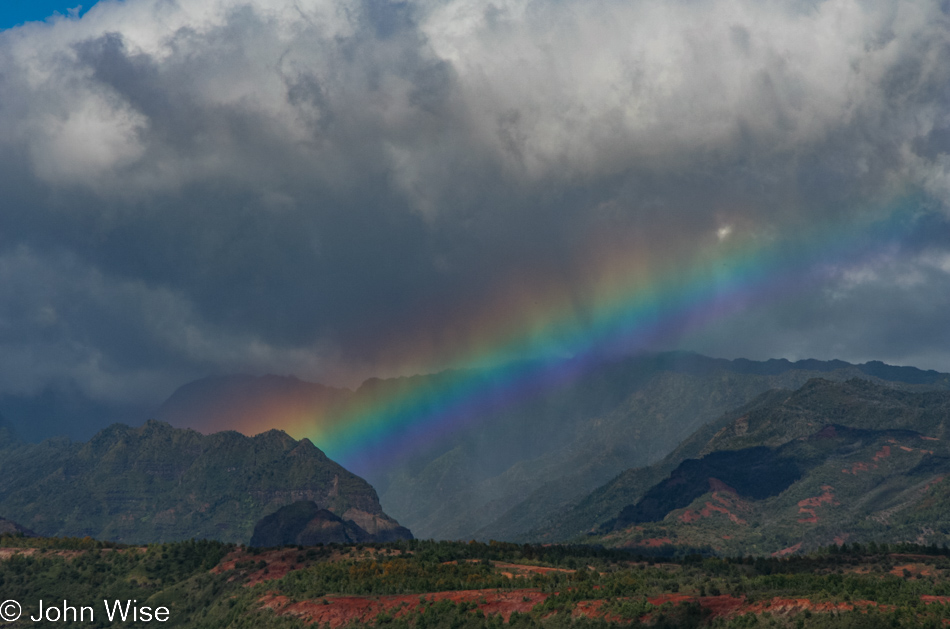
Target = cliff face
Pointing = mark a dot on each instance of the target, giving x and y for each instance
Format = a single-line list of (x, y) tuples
[(158, 483)]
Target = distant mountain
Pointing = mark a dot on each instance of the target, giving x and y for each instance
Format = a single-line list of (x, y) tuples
[(514, 473), (827, 463), (305, 523), (246, 403), (158, 483)]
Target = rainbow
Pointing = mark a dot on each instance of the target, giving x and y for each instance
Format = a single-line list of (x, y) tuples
[(636, 303)]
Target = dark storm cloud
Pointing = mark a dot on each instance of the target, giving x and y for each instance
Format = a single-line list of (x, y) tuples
[(289, 186)]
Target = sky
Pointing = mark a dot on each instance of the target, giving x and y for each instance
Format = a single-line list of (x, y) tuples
[(18, 12), (339, 189)]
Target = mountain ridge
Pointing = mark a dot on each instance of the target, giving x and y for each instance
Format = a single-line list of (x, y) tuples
[(514, 469), (867, 460), (160, 483)]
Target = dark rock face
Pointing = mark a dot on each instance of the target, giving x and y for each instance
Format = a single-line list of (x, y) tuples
[(304, 523), (755, 473)]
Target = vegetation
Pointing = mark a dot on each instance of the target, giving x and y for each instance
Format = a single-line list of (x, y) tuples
[(429, 585), (828, 463), (157, 483)]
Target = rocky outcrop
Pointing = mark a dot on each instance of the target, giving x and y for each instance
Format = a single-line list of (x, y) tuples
[(305, 523)]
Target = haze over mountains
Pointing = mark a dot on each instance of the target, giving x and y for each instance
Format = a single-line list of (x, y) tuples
[(516, 473), (648, 450)]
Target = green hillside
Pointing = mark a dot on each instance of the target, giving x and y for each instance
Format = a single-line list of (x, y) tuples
[(429, 585), (828, 463), (157, 483), (514, 473)]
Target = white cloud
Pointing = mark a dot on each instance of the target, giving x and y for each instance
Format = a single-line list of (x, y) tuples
[(547, 89), (595, 86), (91, 140)]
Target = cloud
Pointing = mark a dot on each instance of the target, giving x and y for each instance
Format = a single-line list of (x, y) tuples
[(324, 186), (888, 304), (68, 323)]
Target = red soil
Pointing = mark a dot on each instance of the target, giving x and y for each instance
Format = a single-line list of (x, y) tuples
[(717, 485), (726, 500), (278, 564), (511, 570), (808, 505), (724, 605), (914, 569), (595, 609), (711, 508), (727, 606), (689, 516), (922, 451), (339, 611), (825, 498), (672, 597), (882, 454), (788, 606), (858, 467), (787, 551), (933, 482), (929, 598), (335, 612)]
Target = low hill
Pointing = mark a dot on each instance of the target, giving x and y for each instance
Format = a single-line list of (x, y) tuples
[(158, 483), (12, 528), (828, 463), (304, 523)]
